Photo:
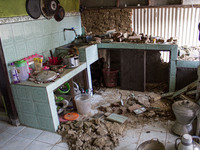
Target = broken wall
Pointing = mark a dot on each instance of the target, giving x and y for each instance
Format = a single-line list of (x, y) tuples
[(98, 21)]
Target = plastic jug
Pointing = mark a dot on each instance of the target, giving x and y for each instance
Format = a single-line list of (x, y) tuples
[(22, 70), (185, 144)]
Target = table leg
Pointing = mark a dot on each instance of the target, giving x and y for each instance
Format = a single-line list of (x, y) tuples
[(72, 92)]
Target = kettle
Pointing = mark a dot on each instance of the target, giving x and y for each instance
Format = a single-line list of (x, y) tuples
[(186, 143)]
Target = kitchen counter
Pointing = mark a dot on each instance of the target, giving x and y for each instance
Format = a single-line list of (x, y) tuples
[(35, 103), (173, 48)]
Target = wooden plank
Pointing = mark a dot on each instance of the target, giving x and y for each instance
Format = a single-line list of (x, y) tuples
[(186, 98), (191, 92), (72, 92), (183, 90), (85, 79), (167, 94)]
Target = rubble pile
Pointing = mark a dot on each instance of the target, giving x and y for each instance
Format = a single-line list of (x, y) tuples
[(189, 53), (93, 134), (102, 20), (103, 132)]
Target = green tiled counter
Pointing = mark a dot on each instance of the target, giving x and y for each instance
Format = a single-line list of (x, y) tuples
[(35, 103), (161, 47)]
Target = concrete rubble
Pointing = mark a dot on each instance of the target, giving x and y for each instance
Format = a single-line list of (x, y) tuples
[(189, 53), (97, 133), (92, 134)]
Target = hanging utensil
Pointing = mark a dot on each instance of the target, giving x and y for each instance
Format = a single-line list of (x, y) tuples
[(48, 8), (60, 13), (33, 8)]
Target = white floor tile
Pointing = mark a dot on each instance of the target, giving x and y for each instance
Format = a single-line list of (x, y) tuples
[(126, 147), (171, 137), (14, 130), (62, 144), (5, 137), (170, 146), (36, 145), (3, 126), (59, 148), (49, 137), (145, 136), (156, 126), (131, 136), (170, 124), (30, 133), (16, 143)]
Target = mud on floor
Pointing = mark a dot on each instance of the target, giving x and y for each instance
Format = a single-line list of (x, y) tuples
[(97, 133)]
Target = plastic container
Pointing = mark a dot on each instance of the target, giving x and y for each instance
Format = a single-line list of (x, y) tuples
[(22, 69), (110, 77), (83, 103), (14, 73)]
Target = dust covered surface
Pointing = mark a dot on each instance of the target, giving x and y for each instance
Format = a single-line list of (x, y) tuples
[(97, 133)]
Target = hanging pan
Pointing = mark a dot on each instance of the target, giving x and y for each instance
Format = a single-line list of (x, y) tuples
[(60, 13), (33, 8), (48, 8)]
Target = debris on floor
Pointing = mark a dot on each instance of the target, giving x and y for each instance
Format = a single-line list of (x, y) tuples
[(188, 92), (117, 118), (98, 132)]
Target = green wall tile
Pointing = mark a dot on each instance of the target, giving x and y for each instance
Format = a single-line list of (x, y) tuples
[(6, 34), (30, 120), (31, 47), (27, 107), (42, 109), (47, 27), (21, 47), (18, 32), (28, 30), (37, 27), (45, 123), (10, 53), (39, 95), (21, 92)]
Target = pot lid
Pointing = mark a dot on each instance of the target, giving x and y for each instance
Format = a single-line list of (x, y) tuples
[(48, 8), (33, 8), (46, 76)]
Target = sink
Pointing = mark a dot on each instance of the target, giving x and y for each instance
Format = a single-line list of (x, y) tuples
[(74, 44)]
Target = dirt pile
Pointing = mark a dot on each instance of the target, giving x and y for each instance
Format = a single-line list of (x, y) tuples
[(93, 134)]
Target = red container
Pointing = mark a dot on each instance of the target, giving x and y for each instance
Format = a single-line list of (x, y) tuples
[(110, 77)]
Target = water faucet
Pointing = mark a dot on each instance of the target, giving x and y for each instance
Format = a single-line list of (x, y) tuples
[(69, 29)]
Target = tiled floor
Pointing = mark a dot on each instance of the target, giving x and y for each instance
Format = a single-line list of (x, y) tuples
[(132, 138), (25, 138)]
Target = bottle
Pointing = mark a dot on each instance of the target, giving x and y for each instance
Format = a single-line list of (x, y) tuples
[(15, 76)]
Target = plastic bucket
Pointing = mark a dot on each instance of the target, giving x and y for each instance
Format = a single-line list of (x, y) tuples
[(110, 77), (83, 103)]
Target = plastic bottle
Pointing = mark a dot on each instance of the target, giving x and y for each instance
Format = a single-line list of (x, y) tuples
[(15, 76)]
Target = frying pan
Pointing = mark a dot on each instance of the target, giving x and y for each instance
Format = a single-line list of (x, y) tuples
[(60, 13), (33, 8), (48, 8)]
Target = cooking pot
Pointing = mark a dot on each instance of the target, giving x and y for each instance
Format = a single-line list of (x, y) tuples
[(71, 61)]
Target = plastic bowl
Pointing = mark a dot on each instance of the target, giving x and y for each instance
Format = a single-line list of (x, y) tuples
[(64, 90)]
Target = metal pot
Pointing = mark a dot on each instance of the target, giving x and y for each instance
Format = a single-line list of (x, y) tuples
[(72, 61), (152, 144)]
